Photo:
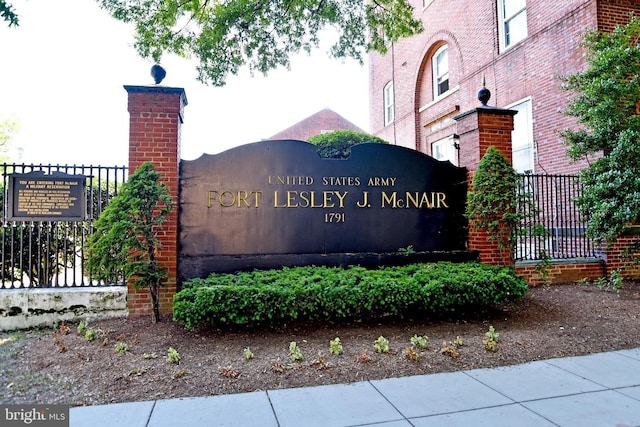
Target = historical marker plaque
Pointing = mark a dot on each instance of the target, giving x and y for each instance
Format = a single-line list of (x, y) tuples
[(36, 196)]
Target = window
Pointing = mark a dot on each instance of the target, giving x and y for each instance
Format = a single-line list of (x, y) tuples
[(444, 149), (389, 112), (522, 138), (512, 17), (440, 72)]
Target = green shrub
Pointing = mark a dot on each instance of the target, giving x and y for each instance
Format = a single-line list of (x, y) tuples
[(313, 293), (337, 144)]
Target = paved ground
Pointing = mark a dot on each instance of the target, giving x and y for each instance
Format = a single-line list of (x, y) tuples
[(596, 390)]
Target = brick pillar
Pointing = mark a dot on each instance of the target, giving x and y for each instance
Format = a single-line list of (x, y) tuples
[(155, 118), (479, 129)]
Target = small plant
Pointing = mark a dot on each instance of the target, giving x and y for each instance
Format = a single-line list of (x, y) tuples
[(320, 362), (90, 334), (490, 339), (363, 357), (411, 353), (229, 372), (179, 373), (542, 268), (248, 354), (136, 372), (613, 282), (294, 352), (381, 345), (449, 349), (458, 341), (335, 347), (420, 341), (59, 342), (64, 329), (173, 356), (121, 348), (148, 356), (408, 250), (278, 366), (82, 328)]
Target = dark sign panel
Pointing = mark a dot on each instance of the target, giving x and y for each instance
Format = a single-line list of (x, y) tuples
[(36, 196), (277, 198)]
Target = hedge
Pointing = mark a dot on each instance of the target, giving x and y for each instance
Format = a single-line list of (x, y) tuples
[(315, 293)]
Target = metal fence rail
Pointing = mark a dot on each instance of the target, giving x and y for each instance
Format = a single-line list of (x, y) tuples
[(51, 253), (555, 227)]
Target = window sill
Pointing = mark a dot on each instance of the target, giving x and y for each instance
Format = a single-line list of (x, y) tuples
[(435, 101)]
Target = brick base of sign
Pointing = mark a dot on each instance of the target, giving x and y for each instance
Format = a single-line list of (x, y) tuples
[(139, 300)]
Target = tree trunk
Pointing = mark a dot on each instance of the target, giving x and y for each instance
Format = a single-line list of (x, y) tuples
[(154, 291)]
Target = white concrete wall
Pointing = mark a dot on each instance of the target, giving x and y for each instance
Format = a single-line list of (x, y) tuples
[(33, 307)]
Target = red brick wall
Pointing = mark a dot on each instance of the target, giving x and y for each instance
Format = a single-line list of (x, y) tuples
[(480, 129), (529, 70), (155, 119), (618, 259), (615, 12), (561, 272)]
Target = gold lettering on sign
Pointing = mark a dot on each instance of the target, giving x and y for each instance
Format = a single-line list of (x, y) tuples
[(290, 180), (364, 203), (352, 181), (228, 199), (309, 199), (379, 181), (416, 199)]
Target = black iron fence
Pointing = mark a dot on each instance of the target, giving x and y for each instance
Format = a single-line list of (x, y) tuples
[(51, 253), (554, 227)]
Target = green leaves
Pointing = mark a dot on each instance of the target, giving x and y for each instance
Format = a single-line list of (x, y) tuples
[(125, 240), (277, 296), (262, 35), (337, 144), (492, 205), (8, 13), (606, 104)]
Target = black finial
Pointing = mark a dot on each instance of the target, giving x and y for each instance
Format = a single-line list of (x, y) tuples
[(484, 94), (158, 73)]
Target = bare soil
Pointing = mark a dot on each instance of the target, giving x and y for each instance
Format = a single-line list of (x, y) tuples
[(60, 366)]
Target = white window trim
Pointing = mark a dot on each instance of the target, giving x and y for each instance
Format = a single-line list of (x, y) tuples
[(426, 4), (434, 66), (449, 143), (388, 102), (530, 130), (501, 21)]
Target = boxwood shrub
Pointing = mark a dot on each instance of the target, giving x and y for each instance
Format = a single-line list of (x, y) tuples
[(316, 293)]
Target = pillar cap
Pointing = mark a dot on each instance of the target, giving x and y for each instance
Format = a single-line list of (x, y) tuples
[(158, 89), (486, 110)]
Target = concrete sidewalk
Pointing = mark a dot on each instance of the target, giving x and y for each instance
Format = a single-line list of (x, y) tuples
[(596, 390)]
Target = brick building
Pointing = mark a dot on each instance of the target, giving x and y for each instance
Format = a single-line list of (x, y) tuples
[(519, 47), (323, 121)]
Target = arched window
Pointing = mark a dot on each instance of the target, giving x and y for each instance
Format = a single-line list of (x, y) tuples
[(389, 109), (440, 67)]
